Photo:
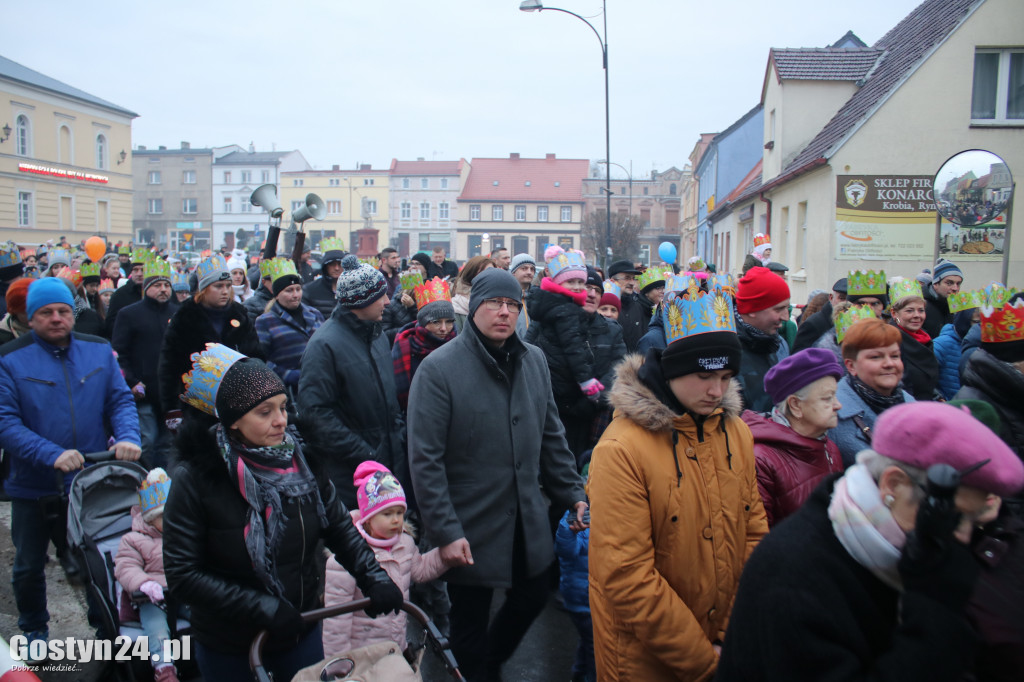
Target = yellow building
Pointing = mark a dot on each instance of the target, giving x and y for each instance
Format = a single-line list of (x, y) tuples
[(355, 200), (65, 162)]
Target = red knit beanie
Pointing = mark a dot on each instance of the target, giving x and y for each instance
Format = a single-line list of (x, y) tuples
[(17, 294), (760, 289), (610, 299)]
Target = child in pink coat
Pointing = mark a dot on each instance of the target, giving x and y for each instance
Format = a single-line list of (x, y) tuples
[(139, 566), (381, 520)]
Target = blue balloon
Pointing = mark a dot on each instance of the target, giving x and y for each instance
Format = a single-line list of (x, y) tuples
[(667, 251)]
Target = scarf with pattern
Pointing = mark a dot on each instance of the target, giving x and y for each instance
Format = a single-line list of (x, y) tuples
[(875, 400)]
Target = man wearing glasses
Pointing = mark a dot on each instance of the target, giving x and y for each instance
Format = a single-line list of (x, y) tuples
[(633, 317), (484, 439)]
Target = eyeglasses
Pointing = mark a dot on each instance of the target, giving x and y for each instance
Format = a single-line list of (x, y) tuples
[(495, 304)]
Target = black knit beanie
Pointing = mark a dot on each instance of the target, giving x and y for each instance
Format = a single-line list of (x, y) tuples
[(705, 352), (246, 384)]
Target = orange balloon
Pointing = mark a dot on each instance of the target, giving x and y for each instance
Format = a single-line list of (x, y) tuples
[(95, 247)]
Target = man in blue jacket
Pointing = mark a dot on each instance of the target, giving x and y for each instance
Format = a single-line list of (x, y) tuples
[(58, 391)]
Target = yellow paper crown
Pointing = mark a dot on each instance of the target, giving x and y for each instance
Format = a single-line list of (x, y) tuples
[(434, 290), (866, 283), (904, 288), (276, 268), (1001, 325), (851, 317)]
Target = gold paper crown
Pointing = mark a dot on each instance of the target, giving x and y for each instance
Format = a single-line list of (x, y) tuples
[(695, 311), (904, 288), (410, 280), (1001, 325), (851, 317), (866, 283), (965, 300), (332, 244), (276, 268), (90, 269), (434, 290), (761, 239)]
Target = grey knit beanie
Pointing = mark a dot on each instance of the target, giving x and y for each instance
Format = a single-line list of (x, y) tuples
[(434, 311), (521, 259), (493, 283)]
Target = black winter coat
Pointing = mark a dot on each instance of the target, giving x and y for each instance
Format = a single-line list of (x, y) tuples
[(936, 310), (208, 567), (447, 268), (807, 611), (1000, 385), (347, 387), (920, 368), (123, 296), (189, 331), (813, 327), (138, 338), (257, 303), (320, 294), (760, 353), (559, 327), (633, 318)]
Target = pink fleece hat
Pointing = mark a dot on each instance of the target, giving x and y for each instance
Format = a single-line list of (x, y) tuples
[(925, 433), (376, 489)]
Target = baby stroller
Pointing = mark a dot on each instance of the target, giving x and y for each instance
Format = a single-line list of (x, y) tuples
[(379, 662), (99, 513)]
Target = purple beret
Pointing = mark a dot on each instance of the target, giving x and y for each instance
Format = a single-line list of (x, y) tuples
[(799, 370), (925, 433)]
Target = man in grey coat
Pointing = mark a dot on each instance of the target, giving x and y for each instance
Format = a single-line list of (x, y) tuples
[(347, 385), (485, 439)]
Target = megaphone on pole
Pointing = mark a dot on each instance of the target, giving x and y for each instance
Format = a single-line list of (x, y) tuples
[(314, 208), (265, 196)]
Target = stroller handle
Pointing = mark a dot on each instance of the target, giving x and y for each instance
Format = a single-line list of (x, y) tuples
[(438, 641), (100, 456)]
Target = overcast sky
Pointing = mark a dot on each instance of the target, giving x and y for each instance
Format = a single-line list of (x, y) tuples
[(351, 82)]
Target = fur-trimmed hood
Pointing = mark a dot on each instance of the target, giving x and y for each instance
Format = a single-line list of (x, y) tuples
[(638, 403)]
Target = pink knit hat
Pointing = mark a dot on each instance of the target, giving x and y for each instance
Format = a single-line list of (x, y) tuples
[(925, 433), (376, 489)]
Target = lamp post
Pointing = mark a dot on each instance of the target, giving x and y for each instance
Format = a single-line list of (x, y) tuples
[(629, 174), (538, 6)]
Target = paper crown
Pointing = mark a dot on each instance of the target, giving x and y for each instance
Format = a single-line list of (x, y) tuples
[(566, 260), (153, 491), (179, 281), (208, 370), (276, 268), (211, 265), (695, 311), (611, 287), (725, 282), (9, 255), (866, 283), (72, 275), (851, 317), (965, 300), (678, 282), (996, 295), (332, 244), (373, 262), (90, 269), (59, 256), (904, 288), (761, 239), (157, 267), (434, 290), (141, 255), (695, 263), (652, 275), (1000, 325), (410, 280), (124, 250), (106, 284)]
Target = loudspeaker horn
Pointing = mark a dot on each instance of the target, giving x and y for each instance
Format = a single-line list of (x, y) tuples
[(265, 196), (314, 208)]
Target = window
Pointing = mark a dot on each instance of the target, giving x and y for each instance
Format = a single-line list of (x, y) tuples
[(190, 206), (474, 211), (101, 151), (227, 204), (443, 210), (246, 177), (444, 183), (334, 182), (154, 177), (189, 177), (65, 147), (405, 210), (156, 206), (67, 212), (154, 159), (567, 214), (424, 210), (497, 212), (672, 189), (24, 209), (265, 176), (227, 177), (103, 216), (645, 217), (520, 213), (542, 214), (405, 183), (645, 191), (296, 205), (297, 183), (334, 207), (645, 254), (520, 245), (245, 205), (370, 206), (424, 183), (22, 137), (367, 182), (998, 95)]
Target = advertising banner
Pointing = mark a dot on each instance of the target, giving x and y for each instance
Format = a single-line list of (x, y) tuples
[(889, 217)]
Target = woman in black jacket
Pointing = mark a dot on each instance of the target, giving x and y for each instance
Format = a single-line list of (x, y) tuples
[(920, 368), (211, 316), (242, 523)]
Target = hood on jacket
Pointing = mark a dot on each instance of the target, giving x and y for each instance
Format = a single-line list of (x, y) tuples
[(640, 404), (139, 525)]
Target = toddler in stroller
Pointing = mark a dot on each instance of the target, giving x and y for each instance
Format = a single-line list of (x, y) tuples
[(139, 567)]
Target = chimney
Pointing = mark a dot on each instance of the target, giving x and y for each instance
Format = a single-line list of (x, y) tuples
[(185, 145), (141, 147), (365, 166), (549, 157), (514, 156), (335, 167), (162, 147), (420, 158)]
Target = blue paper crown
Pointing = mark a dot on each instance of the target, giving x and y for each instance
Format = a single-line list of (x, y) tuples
[(726, 283), (9, 255), (211, 265), (179, 281), (59, 256), (154, 494), (679, 283), (611, 287), (694, 311), (565, 261), (208, 370)]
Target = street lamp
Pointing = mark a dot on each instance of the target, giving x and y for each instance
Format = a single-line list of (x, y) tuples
[(629, 174), (538, 6)]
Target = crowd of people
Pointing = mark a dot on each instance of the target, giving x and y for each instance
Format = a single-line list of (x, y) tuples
[(720, 490)]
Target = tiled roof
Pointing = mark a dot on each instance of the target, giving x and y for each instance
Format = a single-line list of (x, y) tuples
[(906, 46), (824, 63), (518, 179), (252, 158), (425, 167), (16, 72)]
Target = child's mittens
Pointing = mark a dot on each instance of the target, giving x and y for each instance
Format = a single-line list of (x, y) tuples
[(592, 389), (153, 590)]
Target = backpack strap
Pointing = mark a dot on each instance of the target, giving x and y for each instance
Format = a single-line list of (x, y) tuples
[(864, 428)]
